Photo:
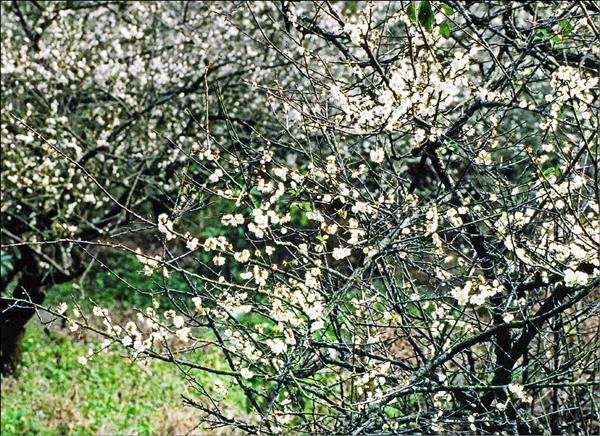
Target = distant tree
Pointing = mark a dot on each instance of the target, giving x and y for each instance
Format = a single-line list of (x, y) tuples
[(88, 90)]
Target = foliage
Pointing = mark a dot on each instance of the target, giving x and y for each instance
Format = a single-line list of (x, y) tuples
[(5, 264), (54, 394), (121, 286)]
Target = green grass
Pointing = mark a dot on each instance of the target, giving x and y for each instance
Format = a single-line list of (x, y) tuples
[(105, 289), (54, 394)]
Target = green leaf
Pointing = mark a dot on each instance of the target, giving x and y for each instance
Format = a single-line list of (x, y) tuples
[(351, 6), (5, 264), (451, 145), (213, 232), (413, 309), (303, 220), (548, 171), (541, 34), (426, 15), (255, 192), (565, 26), (447, 9), (411, 12), (445, 29), (557, 171), (552, 171)]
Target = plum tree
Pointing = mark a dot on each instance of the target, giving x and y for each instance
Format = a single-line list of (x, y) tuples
[(404, 204), (88, 90)]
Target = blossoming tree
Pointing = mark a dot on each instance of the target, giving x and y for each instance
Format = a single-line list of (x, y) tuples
[(88, 90), (409, 205)]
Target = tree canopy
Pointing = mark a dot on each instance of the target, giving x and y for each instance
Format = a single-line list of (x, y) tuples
[(385, 214)]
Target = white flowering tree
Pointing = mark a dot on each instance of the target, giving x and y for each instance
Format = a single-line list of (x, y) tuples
[(409, 230), (89, 90)]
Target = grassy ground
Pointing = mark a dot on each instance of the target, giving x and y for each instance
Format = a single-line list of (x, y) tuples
[(54, 394)]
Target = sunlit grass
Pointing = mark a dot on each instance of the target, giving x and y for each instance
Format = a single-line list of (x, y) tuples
[(54, 394)]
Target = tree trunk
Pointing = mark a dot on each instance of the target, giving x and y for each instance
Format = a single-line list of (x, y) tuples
[(15, 315)]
